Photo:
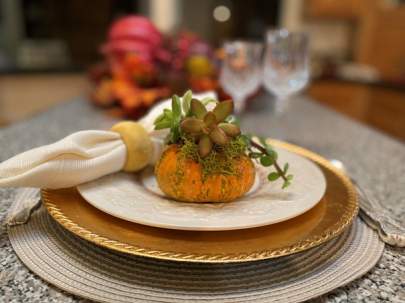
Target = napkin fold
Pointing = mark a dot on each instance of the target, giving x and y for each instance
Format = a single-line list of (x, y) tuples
[(80, 157)]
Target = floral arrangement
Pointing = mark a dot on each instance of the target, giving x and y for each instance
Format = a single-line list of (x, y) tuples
[(208, 159), (141, 66)]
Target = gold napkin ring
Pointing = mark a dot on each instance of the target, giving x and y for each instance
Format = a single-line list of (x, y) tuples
[(138, 143)]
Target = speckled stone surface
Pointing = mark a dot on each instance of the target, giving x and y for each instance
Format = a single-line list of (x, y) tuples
[(375, 160)]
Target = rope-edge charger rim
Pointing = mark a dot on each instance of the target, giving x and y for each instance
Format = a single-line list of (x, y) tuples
[(330, 233)]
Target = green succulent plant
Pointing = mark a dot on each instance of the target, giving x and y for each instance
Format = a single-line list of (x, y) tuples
[(189, 119), (209, 127)]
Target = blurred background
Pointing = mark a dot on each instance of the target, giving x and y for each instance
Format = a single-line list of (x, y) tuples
[(54, 51)]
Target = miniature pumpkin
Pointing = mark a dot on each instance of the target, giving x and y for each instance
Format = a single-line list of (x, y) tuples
[(183, 179), (208, 159)]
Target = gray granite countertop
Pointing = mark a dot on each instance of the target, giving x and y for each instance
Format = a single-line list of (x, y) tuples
[(374, 159)]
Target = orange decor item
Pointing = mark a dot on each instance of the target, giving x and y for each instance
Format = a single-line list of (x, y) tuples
[(183, 179), (130, 96)]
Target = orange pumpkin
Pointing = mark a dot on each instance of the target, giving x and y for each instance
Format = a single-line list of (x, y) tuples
[(182, 178)]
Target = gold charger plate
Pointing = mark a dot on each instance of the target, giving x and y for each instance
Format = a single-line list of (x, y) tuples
[(333, 214)]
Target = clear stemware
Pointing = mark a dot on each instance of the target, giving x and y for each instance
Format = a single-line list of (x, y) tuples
[(286, 64), (241, 71)]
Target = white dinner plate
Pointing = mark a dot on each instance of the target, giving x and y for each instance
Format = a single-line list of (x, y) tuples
[(137, 198)]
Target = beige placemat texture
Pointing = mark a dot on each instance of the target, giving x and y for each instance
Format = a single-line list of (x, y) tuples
[(89, 271)]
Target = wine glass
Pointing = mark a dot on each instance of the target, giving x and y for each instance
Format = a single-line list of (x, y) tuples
[(241, 71), (286, 64)]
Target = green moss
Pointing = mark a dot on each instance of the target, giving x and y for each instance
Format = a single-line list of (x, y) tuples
[(235, 148), (189, 149), (219, 160)]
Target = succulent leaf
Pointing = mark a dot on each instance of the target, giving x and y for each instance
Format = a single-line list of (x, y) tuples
[(223, 110), (162, 125), (197, 108), (210, 120), (159, 118), (186, 101), (232, 119), (208, 100), (176, 107), (192, 125), (168, 113), (204, 146), (231, 130), (218, 136)]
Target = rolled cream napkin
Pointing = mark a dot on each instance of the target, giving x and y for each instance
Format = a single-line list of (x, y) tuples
[(88, 155)]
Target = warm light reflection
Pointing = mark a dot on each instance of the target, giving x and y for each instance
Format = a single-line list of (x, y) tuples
[(221, 13)]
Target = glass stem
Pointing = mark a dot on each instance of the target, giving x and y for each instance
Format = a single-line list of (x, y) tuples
[(281, 104), (239, 104)]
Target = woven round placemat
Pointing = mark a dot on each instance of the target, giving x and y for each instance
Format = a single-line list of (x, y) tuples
[(89, 271)]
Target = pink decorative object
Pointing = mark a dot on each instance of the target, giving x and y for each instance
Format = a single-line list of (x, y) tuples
[(132, 33), (142, 66)]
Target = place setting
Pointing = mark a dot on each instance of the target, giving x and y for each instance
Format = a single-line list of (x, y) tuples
[(181, 204), (202, 215)]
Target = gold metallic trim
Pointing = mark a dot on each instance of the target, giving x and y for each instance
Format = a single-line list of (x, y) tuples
[(351, 210)]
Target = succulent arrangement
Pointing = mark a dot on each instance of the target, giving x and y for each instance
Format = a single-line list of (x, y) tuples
[(209, 127), (213, 133)]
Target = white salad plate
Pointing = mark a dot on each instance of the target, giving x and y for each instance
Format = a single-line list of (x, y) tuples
[(137, 198)]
